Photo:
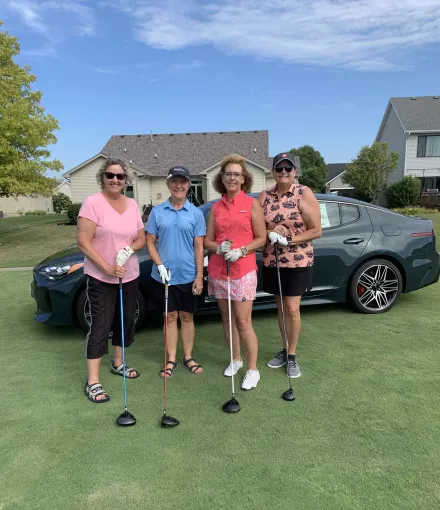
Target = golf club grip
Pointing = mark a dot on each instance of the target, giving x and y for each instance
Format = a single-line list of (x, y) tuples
[(228, 262)]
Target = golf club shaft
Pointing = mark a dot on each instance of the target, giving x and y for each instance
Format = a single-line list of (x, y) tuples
[(121, 298), (286, 345), (165, 333), (228, 273)]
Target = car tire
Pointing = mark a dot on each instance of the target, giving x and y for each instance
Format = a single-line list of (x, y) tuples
[(82, 303), (375, 286)]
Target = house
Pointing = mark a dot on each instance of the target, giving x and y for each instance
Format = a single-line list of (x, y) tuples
[(14, 206), (64, 187), (151, 156), (334, 182), (411, 127)]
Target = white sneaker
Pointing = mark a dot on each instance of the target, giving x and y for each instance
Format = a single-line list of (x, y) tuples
[(233, 368), (250, 380)]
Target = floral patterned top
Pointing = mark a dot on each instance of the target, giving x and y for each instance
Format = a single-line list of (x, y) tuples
[(286, 211)]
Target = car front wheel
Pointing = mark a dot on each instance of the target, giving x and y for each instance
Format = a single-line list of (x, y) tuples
[(375, 286), (83, 310)]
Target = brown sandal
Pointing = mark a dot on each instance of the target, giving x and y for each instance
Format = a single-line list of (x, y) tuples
[(193, 368), (169, 371)]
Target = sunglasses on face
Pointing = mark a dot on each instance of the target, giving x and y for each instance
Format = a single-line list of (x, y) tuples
[(110, 176), (288, 169)]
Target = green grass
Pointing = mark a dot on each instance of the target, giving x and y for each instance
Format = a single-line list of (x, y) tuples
[(361, 434), (25, 240)]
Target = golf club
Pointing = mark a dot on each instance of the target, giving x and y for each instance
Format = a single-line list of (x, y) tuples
[(231, 406), (167, 421), (287, 395), (126, 419)]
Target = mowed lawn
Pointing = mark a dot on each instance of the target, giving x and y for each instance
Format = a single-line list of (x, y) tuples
[(25, 240), (363, 432)]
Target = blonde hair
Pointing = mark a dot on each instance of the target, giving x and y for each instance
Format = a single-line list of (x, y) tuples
[(228, 160), (109, 162)]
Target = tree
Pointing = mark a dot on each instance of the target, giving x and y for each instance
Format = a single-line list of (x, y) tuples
[(313, 167), (25, 129), (369, 171), (404, 192), (61, 202)]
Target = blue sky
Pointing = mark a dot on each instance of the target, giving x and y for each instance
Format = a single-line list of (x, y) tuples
[(316, 72)]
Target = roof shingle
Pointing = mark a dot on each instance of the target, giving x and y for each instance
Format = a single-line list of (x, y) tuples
[(418, 113)]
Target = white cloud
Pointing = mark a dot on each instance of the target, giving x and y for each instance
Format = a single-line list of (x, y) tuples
[(178, 68), (366, 35), (56, 21)]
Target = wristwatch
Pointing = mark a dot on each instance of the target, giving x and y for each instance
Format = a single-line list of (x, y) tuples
[(244, 251)]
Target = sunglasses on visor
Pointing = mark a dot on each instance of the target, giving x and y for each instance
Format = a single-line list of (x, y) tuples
[(288, 169), (110, 176)]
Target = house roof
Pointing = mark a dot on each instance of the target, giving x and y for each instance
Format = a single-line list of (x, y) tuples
[(155, 154), (335, 169), (420, 114)]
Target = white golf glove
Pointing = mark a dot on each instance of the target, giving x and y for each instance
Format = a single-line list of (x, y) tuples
[(224, 247), (277, 238), (123, 255), (233, 255), (164, 273)]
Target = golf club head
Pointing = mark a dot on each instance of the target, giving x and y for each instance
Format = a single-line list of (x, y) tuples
[(126, 419), (231, 406), (288, 395), (168, 421)]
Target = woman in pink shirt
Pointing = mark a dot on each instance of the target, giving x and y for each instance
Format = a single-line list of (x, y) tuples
[(238, 218), (110, 226)]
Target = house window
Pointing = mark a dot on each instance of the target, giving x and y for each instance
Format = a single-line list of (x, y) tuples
[(128, 192), (428, 146), (195, 194)]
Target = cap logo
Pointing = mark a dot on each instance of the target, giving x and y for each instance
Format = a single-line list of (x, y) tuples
[(284, 155)]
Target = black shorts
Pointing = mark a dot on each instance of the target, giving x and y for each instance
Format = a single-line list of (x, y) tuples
[(105, 314), (295, 281), (180, 297)]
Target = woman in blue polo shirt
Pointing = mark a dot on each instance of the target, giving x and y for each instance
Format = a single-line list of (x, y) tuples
[(175, 231)]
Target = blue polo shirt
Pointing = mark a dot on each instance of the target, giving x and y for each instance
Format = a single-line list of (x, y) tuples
[(175, 231)]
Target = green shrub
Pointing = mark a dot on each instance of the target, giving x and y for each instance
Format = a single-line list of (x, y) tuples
[(72, 213), (38, 212), (404, 192), (414, 211), (61, 202)]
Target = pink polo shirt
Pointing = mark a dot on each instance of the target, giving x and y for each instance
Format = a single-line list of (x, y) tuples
[(113, 232)]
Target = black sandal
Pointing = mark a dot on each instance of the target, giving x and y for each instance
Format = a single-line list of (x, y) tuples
[(91, 391), (168, 371), (193, 368)]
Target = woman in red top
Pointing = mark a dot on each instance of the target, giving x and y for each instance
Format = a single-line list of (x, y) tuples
[(238, 218)]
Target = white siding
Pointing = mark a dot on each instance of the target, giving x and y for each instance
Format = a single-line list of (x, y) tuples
[(83, 181), (142, 194), (421, 167), (64, 188), (14, 206), (270, 181), (394, 135), (338, 184), (159, 190)]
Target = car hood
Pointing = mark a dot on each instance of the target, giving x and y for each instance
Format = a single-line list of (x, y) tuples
[(67, 256)]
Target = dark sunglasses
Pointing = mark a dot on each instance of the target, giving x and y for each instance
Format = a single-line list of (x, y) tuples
[(288, 169), (110, 176)]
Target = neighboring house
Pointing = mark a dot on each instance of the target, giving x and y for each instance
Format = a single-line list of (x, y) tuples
[(12, 206), (334, 180), (151, 156), (64, 187), (411, 127)]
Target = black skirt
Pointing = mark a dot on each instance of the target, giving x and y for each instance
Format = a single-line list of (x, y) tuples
[(180, 297), (295, 281)]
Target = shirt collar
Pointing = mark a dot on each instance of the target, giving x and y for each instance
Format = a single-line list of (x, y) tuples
[(236, 200), (169, 206), (290, 191)]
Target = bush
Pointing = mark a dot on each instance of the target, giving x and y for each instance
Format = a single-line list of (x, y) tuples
[(430, 203), (61, 202), (38, 212), (414, 211), (404, 192), (72, 213)]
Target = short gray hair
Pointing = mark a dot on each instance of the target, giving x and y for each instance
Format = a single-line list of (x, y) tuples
[(109, 162)]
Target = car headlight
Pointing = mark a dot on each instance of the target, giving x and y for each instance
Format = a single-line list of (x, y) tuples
[(58, 272)]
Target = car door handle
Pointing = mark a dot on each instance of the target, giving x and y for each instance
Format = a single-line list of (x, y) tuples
[(354, 240)]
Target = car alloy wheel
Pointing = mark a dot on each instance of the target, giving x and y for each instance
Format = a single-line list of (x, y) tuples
[(377, 287)]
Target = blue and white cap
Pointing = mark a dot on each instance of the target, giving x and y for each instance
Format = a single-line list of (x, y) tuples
[(179, 171)]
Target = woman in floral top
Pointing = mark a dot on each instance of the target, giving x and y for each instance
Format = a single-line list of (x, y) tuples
[(293, 220)]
